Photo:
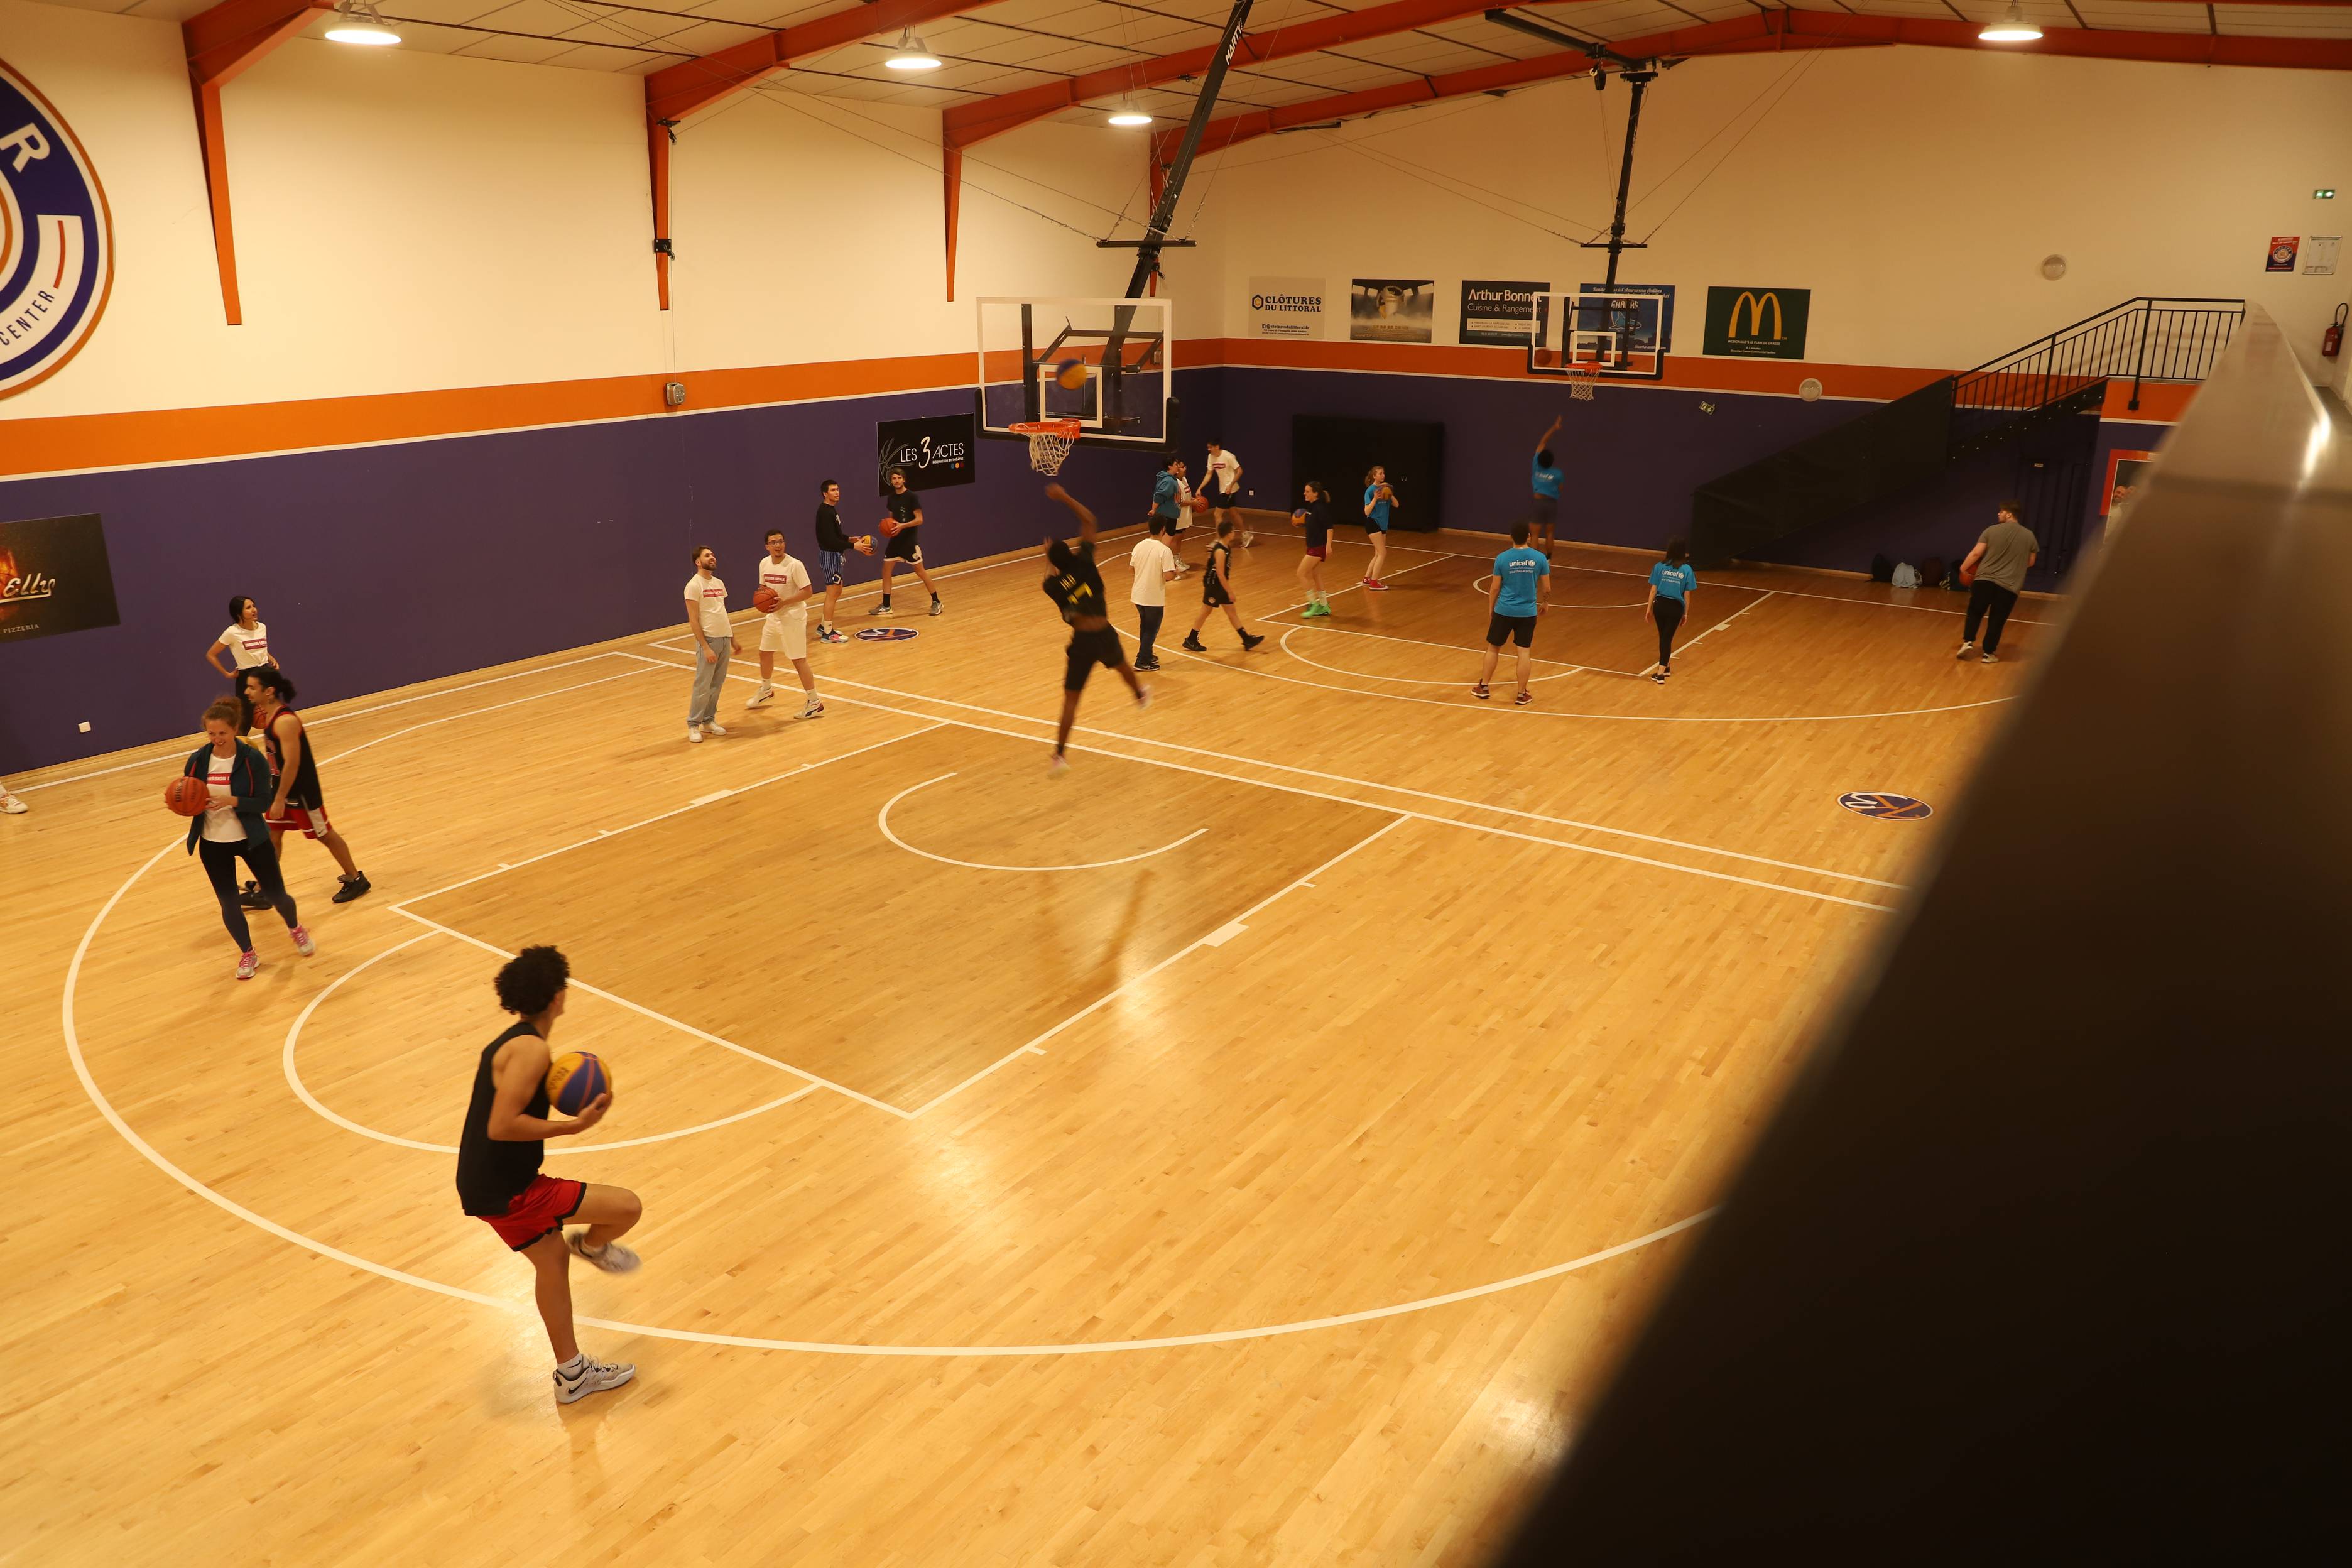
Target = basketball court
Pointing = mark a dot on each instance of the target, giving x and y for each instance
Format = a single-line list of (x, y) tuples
[(1257, 1145)]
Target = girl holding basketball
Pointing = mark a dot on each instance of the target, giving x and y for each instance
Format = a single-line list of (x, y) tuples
[(232, 789), (1379, 499), (1314, 515)]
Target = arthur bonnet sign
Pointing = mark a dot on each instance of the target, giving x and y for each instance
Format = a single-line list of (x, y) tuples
[(56, 245)]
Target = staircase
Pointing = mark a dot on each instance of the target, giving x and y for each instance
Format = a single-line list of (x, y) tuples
[(2060, 378)]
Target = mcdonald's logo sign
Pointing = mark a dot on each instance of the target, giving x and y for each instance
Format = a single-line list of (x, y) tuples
[(1758, 323)]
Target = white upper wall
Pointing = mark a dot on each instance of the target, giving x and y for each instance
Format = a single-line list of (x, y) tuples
[(409, 221), (1915, 191)]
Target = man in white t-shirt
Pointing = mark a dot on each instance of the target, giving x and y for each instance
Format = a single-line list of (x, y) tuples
[(1221, 483), (1155, 568), (784, 629), (714, 643)]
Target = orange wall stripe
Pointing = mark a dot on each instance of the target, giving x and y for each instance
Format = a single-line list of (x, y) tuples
[(80, 441)]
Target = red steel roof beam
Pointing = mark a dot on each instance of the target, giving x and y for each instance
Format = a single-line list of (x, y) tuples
[(221, 44)]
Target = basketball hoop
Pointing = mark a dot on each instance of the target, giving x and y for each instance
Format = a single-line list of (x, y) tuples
[(1050, 441), (1583, 380)]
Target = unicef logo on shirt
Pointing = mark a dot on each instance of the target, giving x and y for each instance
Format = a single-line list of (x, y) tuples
[(56, 245)]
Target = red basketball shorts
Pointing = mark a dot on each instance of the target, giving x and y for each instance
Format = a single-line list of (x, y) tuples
[(537, 1210), (310, 820)]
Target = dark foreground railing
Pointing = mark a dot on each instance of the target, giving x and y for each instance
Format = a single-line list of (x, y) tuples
[(2044, 1258)]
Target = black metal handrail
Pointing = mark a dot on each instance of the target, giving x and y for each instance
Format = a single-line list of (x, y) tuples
[(2158, 338)]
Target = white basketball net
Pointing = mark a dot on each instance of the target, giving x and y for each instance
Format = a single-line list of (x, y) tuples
[(1050, 441), (1582, 381)]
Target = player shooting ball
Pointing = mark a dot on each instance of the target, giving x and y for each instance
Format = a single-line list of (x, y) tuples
[(1076, 586)]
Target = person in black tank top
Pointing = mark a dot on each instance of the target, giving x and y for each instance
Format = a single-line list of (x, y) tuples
[(1217, 593), (300, 801), (1076, 586), (499, 1150)]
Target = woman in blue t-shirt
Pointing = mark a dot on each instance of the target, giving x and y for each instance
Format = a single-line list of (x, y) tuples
[(1671, 581), (1378, 498)]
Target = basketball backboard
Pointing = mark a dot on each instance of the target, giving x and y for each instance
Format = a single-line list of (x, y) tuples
[(1115, 355), (1615, 335)]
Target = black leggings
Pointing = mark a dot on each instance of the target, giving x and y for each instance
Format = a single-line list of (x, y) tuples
[(220, 865), (1989, 603), (1148, 618), (1669, 614)]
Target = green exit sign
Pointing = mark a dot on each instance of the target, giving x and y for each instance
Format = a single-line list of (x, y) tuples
[(2327, 194)]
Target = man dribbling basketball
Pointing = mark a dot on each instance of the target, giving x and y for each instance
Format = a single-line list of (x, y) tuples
[(784, 628), (499, 1152)]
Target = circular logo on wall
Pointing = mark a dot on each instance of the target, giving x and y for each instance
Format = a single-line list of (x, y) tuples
[(886, 634), (1887, 808), (57, 242)]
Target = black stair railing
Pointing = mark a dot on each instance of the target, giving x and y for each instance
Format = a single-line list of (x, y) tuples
[(2150, 339)]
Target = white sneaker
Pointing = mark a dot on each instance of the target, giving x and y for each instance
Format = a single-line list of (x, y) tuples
[(1965, 648), (614, 1258), (1989, 659), (1057, 766), (693, 734), (714, 727), (813, 709), (11, 804), (762, 698), (591, 1377)]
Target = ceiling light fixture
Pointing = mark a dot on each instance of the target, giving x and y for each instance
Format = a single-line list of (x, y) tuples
[(359, 22), (1126, 114), (2012, 28), (912, 54)]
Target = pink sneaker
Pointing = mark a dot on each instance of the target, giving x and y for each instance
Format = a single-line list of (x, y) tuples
[(248, 964), (1376, 585), (302, 943)]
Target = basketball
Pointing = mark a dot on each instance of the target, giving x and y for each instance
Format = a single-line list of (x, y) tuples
[(765, 599), (1071, 374), (574, 1078), (186, 795), (889, 527), (866, 545), (1968, 574), (1199, 503)]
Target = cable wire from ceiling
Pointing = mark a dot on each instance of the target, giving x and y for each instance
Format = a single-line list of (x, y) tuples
[(1737, 117), (1795, 76)]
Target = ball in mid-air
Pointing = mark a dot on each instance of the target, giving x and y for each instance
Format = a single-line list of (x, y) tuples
[(1071, 374)]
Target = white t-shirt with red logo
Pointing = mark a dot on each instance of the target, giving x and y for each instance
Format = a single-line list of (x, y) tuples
[(787, 577), (247, 649), (222, 825), (712, 595)]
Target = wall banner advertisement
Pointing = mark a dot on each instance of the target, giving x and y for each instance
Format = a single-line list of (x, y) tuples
[(1392, 309), (1285, 306), (1758, 323), (57, 242), (934, 452), (54, 577), (1500, 314)]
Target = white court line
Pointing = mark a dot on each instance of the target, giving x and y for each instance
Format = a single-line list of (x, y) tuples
[(1334, 778), (1720, 624), (882, 821), (1796, 594), (181, 756), (685, 1028), (302, 1091), (1418, 815), (511, 1304), (1407, 681)]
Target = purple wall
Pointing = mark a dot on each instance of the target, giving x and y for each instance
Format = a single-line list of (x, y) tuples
[(384, 565)]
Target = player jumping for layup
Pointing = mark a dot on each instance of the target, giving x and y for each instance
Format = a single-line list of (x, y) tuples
[(499, 1154), (1077, 586)]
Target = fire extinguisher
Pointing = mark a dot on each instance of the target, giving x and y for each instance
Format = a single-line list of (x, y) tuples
[(2331, 343)]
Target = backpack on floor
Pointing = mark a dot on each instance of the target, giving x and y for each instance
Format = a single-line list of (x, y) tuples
[(1882, 570), (1932, 571), (1906, 576)]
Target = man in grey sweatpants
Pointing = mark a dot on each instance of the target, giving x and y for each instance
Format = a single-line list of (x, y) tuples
[(714, 644)]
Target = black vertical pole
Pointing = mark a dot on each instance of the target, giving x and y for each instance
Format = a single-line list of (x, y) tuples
[(1638, 81), (1146, 257)]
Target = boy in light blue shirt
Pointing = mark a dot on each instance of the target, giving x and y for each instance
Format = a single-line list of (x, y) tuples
[(1543, 479), (1522, 591)]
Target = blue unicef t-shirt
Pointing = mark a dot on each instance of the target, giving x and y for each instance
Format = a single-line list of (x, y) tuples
[(1163, 495), (1517, 571), (1378, 514), (1545, 480), (1673, 582)]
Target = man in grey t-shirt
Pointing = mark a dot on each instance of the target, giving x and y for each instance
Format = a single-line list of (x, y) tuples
[(1998, 564)]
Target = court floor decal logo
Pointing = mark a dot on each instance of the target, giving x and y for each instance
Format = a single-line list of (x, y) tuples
[(57, 242), (886, 634), (1887, 808)]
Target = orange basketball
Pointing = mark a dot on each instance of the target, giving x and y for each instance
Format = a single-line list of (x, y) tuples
[(889, 527), (764, 599), (187, 795), (1968, 574), (1199, 503)]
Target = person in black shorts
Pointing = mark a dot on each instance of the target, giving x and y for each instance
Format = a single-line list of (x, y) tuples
[(301, 803), (1076, 586), (904, 528), (832, 544), (1217, 593), (499, 1154)]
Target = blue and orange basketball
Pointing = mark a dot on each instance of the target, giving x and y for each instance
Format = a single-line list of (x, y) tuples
[(574, 1078), (1071, 374)]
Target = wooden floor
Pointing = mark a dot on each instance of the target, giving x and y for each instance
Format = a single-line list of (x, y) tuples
[(1251, 1149)]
